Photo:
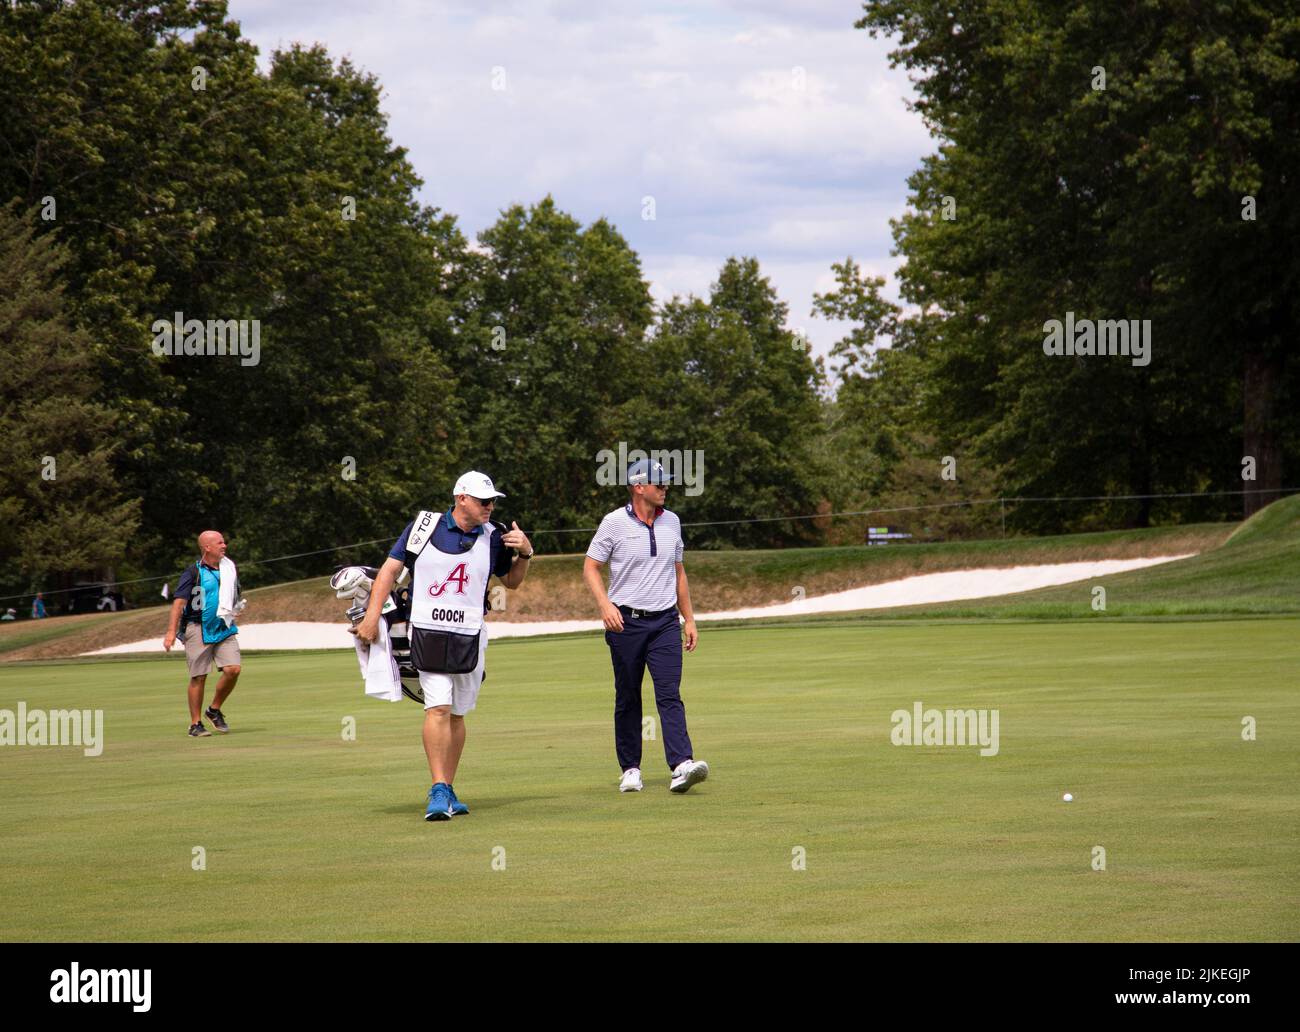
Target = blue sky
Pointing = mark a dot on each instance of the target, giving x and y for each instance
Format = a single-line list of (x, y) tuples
[(759, 128)]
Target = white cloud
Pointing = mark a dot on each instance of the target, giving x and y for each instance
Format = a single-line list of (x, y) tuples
[(760, 128)]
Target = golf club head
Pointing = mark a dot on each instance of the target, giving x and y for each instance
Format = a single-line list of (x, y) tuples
[(351, 582)]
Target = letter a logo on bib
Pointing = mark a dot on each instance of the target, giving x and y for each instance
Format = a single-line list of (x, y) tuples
[(458, 575), (444, 584)]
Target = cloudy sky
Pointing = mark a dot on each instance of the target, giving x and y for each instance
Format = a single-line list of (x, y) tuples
[(758, 128)]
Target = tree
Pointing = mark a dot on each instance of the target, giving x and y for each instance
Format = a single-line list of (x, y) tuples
[(1053, 191), (546, 350), (355, 417), (724, 378), (61, 510), (884, 457), (185, 180)]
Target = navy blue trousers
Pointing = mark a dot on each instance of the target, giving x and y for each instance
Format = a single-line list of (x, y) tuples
[(657, 644)]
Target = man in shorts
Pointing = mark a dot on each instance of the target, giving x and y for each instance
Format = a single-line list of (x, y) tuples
[(208, 638), (451, 556)]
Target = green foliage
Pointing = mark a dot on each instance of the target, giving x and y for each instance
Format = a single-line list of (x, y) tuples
[(228, 202), (186, 180), (1124, 202), (60, 508), (549, 329), (391, 345), (725, 377)]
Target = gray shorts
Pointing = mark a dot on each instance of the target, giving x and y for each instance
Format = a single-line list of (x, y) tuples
[(200, 656)]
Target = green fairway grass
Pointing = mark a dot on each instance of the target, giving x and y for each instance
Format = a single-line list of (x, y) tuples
[(308, 836)]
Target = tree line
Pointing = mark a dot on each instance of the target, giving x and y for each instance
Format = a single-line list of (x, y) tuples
[(153, 173)]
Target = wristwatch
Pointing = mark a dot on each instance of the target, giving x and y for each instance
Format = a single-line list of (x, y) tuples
[(528, 556)]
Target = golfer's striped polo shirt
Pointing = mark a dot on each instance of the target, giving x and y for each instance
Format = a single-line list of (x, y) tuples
[(642, 557)]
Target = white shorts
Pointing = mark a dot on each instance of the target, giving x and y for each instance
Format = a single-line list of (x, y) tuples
[(459, 691)]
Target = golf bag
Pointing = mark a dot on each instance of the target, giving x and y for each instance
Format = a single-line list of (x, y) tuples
[(355, 583)]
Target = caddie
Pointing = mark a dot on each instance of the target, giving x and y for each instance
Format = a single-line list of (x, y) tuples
[(642, 542), (451, 557)]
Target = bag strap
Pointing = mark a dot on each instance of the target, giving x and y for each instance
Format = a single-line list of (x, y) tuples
[(426, 522)]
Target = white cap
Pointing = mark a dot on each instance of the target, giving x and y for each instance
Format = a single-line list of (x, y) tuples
[(477, 484)]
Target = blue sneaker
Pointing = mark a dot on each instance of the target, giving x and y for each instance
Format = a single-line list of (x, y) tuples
[(439, 803), (457, 807)]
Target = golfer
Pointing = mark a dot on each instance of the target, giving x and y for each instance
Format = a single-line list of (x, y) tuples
[(451, 557), (642, 542), (209, 636)]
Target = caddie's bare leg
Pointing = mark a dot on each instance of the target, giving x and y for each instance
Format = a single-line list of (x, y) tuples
[(457, 746), (438, 743)]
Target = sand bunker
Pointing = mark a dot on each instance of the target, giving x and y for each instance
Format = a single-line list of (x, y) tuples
[(954, 586)]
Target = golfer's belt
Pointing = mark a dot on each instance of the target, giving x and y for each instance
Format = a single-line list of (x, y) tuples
[(645, 614)]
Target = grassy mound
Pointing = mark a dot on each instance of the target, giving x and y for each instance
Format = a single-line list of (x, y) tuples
[(1256, 571)]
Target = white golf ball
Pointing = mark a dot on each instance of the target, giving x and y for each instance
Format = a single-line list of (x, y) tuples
[(1067, 797)]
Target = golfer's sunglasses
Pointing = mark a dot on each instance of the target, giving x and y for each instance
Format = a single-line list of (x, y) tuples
[(486, 501)]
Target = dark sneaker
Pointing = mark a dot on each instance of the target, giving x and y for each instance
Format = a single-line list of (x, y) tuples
[(199, 731), (218, 721), (457, 807)]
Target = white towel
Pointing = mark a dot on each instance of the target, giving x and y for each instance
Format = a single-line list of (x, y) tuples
[(379, 668), (229, 605)]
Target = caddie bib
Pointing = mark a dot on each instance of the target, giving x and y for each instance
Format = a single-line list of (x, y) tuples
[(447, 594)]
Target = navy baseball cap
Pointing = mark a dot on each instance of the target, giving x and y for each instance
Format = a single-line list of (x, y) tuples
[(643, 471)]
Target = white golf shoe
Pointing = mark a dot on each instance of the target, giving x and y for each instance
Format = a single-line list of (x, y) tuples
[(688, 773), (631, 780)]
